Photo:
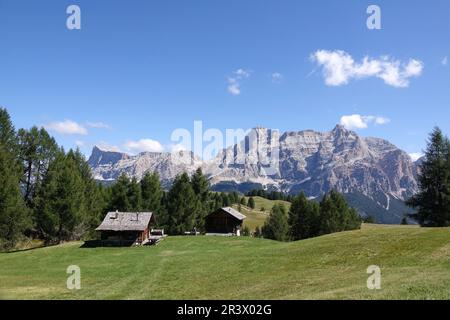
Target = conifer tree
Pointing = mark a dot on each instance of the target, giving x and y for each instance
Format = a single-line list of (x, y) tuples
[(433, 199), (303, 218), (276, 226), (119, 195), (251, 203), (134, 195), (61, 203), (14, 217), (152, 193), (182, 205)]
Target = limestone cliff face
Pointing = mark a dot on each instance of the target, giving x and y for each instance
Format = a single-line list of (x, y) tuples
[(309, 161)]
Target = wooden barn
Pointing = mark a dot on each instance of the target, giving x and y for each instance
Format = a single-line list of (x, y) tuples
[(126, 228), (225, 221)]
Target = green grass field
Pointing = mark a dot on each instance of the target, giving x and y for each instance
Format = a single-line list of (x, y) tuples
[(415, 264)]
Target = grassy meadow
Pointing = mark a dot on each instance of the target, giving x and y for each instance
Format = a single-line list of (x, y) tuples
[(415, 264)]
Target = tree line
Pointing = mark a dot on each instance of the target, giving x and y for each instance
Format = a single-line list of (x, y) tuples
[(50, 194), (308, 218)]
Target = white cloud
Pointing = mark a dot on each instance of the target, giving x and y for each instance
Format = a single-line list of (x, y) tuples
[(356, 121), (144, 145), (416, 156), (79, 143), (102, 145), (276, 77), (234, 81), (98, 125), (339, 68), (444, 61), (67, 127)]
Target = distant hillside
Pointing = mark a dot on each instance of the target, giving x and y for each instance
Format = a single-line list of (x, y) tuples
[(257, 217), (413, 261)]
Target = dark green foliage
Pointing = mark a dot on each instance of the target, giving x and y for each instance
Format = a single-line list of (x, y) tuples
[(433, 200), (225, 200), (119, 195), (94, 200), (37, 149), (304, 218), (8, 138), (134, 195), (14, 218), (183, 206), (251, 203), (61, 200), (243, 201), (336, 215), (276, 226), (272, 195), (153, 197)]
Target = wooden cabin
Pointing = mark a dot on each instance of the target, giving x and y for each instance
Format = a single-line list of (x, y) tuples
[(224, 221), (126, 228)]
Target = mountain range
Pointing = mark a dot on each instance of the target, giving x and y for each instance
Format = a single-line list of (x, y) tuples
[(375, 176)]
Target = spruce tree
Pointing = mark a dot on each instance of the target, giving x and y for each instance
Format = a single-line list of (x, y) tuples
[(182, 206), (8, 137), (433, 199), (200, 185), (61, 203), (251, 203), (152, 193), (37, 149), (276, 226), (336, 215), (134, 195), (94, 201), (303, 218), (14, 218), (119, 195)]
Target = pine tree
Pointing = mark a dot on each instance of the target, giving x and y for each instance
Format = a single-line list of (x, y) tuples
[(94, 201), (225, 199), (36, 151), (14, 218), (276, 226), (61, 203), (182, 206), (251, 203), (119, 195), (134, 195), (8, 137), (243, 201), (152, 192), (433, 200), (336, 215), (303, 218), (200, 185)]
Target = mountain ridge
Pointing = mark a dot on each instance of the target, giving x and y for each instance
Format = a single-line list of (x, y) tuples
[(309, 161)]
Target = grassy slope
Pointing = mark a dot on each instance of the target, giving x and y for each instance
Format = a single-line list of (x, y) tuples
[(415, 264), (256, 217)]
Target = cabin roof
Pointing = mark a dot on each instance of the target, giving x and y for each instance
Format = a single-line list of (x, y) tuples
[(234, 213), (125, 221)]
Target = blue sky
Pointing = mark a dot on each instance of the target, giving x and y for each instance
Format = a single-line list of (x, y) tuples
[(137, 70)]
